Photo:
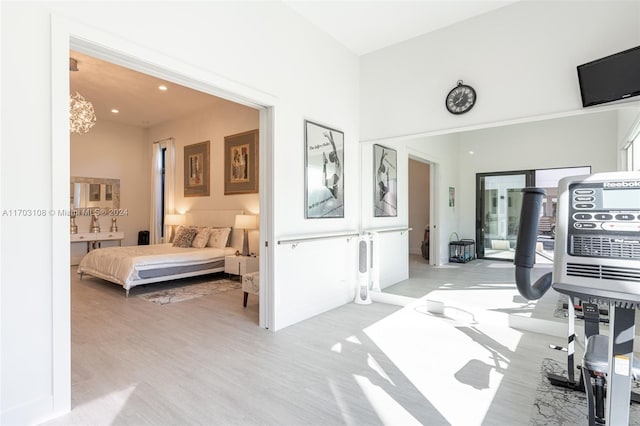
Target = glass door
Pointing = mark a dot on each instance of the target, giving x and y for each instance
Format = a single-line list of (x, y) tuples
[(498, 201)]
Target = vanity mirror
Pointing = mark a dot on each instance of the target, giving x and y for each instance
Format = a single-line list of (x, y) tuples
[(92, 193)]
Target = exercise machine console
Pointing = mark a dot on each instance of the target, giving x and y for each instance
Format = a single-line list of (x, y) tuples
[(596, 259)]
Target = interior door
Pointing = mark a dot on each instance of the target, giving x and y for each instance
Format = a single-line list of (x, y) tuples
[(498, 201)]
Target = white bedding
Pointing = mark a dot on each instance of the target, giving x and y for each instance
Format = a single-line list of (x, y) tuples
[(122, 264)]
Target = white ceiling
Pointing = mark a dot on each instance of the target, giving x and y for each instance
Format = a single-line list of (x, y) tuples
[(361, 26), (366, 26), (134, 94)]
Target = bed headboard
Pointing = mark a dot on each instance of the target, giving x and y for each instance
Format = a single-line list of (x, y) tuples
[(217, 218)]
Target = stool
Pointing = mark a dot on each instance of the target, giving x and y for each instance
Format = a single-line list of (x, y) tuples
[(250, 284)]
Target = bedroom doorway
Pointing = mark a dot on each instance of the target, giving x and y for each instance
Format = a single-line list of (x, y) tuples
[(159, 122), (66, 35)]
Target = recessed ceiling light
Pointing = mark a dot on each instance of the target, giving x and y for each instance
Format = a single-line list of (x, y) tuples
[(162, 87), (115, 111), (471, 152)]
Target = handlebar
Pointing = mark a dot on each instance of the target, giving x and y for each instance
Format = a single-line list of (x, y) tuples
[(526, 246)]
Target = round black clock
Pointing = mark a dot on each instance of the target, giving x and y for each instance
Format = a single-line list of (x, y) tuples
[(461, 99)]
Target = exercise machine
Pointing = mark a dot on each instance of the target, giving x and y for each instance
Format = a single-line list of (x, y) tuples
[(597, 260)]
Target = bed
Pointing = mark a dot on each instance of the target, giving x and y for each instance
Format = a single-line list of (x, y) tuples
[(130, 266)]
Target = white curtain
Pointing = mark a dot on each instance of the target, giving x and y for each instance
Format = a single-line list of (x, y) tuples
[(155, 224)]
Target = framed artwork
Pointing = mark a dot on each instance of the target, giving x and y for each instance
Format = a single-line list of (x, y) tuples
[(385, 190), (196, 170), (324, 173), (452, 197), (241, 163)]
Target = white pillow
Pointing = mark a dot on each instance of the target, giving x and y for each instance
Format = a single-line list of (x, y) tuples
[(218, 237), (202, 238)]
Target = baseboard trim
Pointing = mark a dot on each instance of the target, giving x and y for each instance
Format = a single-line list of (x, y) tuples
[(32, 413)]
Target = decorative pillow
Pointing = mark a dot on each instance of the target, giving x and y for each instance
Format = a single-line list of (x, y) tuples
[(184, 237), (202, 238), (218, 237)]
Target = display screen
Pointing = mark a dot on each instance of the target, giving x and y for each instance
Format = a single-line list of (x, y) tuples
[(622, 199), (610, 79)]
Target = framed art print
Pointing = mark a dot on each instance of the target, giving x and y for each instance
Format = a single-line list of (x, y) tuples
[(385, 190), (241, 163), (324, 172), (196, 170)]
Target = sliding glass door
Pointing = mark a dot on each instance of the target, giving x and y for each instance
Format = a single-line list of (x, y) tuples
[(498, 201)]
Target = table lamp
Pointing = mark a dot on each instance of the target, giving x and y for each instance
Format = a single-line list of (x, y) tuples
[(174, 220), (245, 222)]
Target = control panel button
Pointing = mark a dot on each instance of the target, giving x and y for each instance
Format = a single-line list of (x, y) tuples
[(584, 206), (584, 198), (582, 216), (585, 225), (625, 216), (603, 216), (583, 191), (621, 226)]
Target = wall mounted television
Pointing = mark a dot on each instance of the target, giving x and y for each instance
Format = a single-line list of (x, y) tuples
[(610, 78)]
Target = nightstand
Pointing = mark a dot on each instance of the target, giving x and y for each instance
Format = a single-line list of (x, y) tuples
[(240, 265)]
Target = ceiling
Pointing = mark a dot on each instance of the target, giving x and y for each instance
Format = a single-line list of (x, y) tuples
[(135, 95), (361, 26), (366, 26)]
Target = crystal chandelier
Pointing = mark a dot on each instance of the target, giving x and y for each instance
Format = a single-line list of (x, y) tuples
[(81, 114)]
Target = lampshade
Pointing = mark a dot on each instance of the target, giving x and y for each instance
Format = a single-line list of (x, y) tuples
[(245, 221), (175, 219)]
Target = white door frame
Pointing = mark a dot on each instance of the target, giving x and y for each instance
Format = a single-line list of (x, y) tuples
[(434, 221), (68, 34)]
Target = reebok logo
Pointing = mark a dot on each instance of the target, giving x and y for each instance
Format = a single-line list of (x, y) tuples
[(623, 184)]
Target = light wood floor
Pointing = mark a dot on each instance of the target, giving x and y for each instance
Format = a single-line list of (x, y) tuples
[(205, 361)]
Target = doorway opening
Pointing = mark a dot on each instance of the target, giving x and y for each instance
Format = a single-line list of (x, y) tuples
[(422, 246), (67, 35)]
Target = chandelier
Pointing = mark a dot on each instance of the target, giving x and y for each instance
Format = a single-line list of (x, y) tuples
[(81, 117), (81, 114)]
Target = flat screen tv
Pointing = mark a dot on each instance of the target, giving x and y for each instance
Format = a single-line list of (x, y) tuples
[(611, 78)]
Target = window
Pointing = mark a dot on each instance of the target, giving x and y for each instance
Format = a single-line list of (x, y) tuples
[(633, 150)]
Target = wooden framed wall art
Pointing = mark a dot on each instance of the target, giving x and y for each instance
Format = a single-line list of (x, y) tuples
[(197, 170), (241, 163)]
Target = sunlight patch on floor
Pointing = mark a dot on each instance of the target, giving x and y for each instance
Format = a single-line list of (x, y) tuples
[(485, 298), (109, 405), (388, 409), (419, 344)]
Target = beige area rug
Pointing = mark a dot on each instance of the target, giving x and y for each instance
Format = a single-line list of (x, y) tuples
[(192, 291)]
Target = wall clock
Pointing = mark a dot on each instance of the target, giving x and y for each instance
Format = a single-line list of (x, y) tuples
[(460, 99)]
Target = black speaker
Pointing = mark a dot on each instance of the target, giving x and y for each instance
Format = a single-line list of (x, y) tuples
[(143, 238)]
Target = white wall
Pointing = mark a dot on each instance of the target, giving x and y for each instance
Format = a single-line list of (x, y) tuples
[(212, 124), (392, 246), (274, 54), (521, 59), (584, 140), (114, 151)]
